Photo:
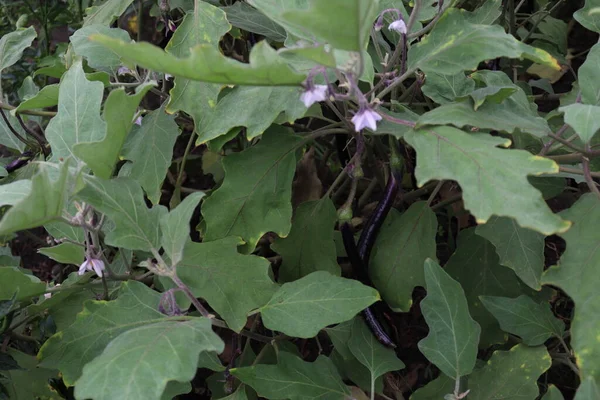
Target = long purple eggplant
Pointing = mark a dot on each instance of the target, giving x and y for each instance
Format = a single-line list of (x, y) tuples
[(359, 269)]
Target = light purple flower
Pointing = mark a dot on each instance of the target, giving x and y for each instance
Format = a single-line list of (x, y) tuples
[(92, 264), (124, 71), (314, 94), (398, 26), (138, 121), (365, 118)]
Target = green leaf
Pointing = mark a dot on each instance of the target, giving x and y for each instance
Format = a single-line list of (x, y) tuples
[(78, 118), (402, 246), (64, 253), (316, 301), (106, 13), (232, 283), (445, 88), (309, 247), (386, 127), (475, 265), (588, 16), (97, 56), (255, 108), (344, 24), (31, 381), (453, 335), (294, 379), (101, 155), (584, 119), (14, 192), (533, 322), (44, 203), (577, 274), (207, 64), (7, 138), (248, 18), (26, 286), (47, 97), (588, 73), (510, 374), (487, 13), (12, 45), (205, 26), (150, 149), (376, 357), (97, 325), (519, 249), (255, 197), (489, 177), (340, 335), (456, 45), (7, 259), (28, 89), (553, 393), (352, 370), (495, 94), (507, 114), (588, 389), (435, 390), (153, 355), (274, 9), (175, 227), (549, 186), (121, 199)]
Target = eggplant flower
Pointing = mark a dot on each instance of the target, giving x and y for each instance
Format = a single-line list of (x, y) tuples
[(398, 26), (92, 264), (124, 71), (314, 94), (365, 118), (138, 121)]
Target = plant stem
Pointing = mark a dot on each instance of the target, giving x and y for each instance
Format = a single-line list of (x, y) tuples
[(191, 296), (176, 198), (434, 193), (397, 81), (585, 162), (28, 112)]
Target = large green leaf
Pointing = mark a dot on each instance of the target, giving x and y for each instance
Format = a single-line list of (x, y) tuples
[(207, 64), (106, 13), (493, 181), (533, 322), (445, 88), (97, 55), (232, 283), (369, 352), (78, 119), (243, 16), (340, 335), (588, 16), (436, 389), (315, 301), (65, 253), (274, 9), (589, 75), (47, 97), (12, 45), (205, 26), (122, 200), (344, 24), (150, 149), (175, 227), (519, 249), (29, 381), (255, 108), (402, 246), (509, 110), (583, 118), (453, 334), (588, 389), (510, 374), (309, 247), (15, 281), (475, 265), (577, 274), (12, 193), (255, 196), (101, 155), (294, 379), (44, 203), (352, 370), (97, 325), (456, 45), (152, 355)]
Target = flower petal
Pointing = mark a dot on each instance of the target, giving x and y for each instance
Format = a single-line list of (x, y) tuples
[(398, 26), (98, 266), (84, 267)]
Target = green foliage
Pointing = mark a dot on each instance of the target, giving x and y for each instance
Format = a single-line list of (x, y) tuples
[(175, 174)]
